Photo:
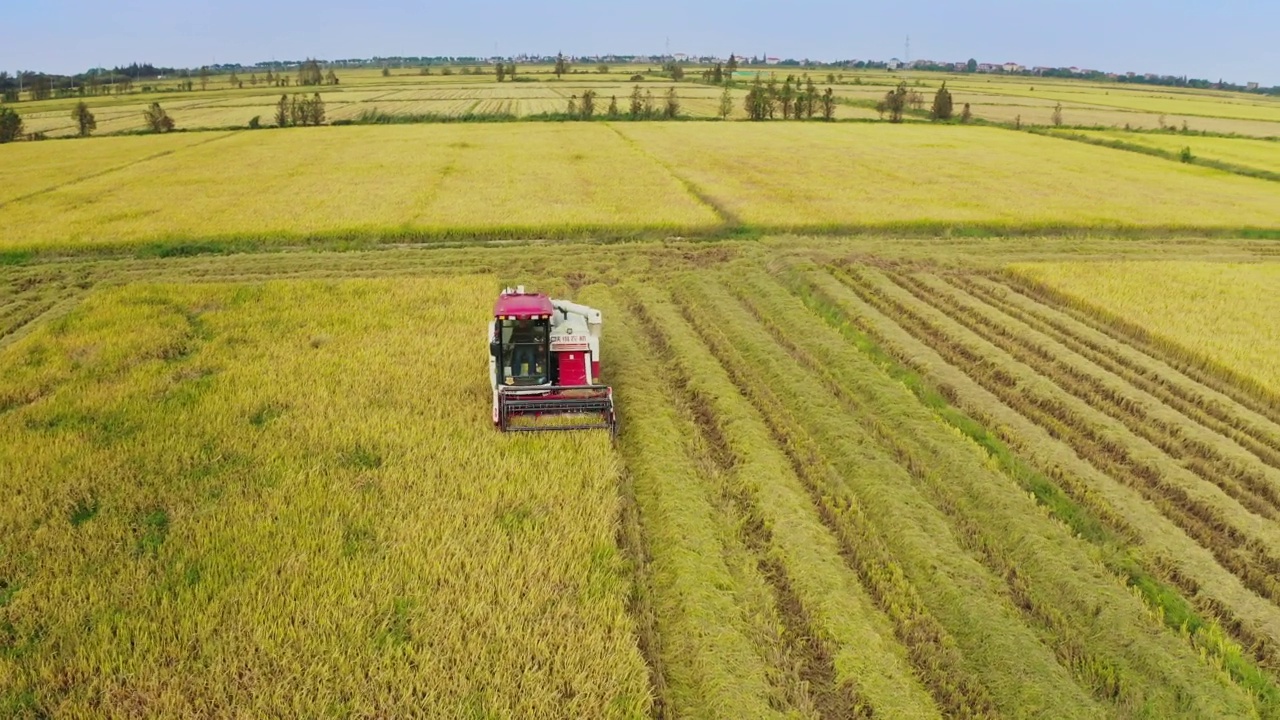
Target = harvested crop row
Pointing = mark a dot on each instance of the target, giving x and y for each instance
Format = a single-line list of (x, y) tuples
[(1129, 533), (1243, 389), (1207, 407), (1247, 486), (707, 649), (1244, 556), (809, 423), (1049, 574), (808, 654)]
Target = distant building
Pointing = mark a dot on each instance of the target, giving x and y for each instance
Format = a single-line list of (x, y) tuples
[(1251, 86), (1040, 69), (987, 67), (772, 60), (893, 64), (1013, 67)]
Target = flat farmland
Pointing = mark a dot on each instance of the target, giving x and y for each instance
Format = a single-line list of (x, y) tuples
[(917, 420), (420, 182), (868, 176), (855, 478), (1224, 314), (1256, 154), (250, 489)]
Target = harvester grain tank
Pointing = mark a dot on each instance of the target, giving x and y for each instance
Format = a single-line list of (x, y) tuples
[(544, 365)]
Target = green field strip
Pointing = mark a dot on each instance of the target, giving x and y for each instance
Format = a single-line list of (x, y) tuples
[(867, 659), (713, 668), (1231, 512), (1136, 542), (1209, 407), (984, 625), (1227, 380), (1055, 577), (1203, 521), (1211, 456)]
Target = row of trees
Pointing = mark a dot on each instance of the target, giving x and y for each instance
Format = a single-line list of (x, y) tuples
[(157, 120), (897, 101), (794, 99), (642, 106), (299, 111)]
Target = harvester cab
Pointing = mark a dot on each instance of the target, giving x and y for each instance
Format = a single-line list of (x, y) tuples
[(544, 365)]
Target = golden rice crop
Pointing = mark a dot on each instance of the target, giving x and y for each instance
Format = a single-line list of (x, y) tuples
[(817, 175), (27, 168), (1260, 154), (1092, 116), (286, 499), (1224, 311), (531, 179)]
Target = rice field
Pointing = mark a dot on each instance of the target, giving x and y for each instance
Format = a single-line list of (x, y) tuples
[(1224, 313), (1254, 154), (849, 483), (916, 421), (432, 182), (250, 488), (886, 176)]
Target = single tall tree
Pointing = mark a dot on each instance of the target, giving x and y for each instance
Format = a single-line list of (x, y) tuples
[(157, 119), (282, 111), (726, 103), (637, 103), (588, 104), (562, 65), (500, 70), (315, 110), (1057, 114), (810, 97), (85, 121), (895, 102), (204, 77), (942, 105), (971, 66), (967, 115), (730, 68), (786, 96), (828, 105), (672, 108), (754, 103), (613, 107), (10, 125)]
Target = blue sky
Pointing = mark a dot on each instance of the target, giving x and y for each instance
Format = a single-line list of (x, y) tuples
[(1233, 39)]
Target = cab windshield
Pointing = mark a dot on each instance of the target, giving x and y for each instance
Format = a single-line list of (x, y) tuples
[(524, 352)]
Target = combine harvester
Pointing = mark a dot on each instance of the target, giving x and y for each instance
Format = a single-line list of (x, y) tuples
[(544, 365)]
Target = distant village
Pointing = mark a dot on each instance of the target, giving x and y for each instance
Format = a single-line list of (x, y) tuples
[(765, 60), (12, 85)]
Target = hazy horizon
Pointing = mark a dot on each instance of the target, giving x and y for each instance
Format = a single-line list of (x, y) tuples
[(1231, 40)]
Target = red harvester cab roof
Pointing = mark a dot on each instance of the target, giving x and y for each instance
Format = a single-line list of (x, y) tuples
[(522, 305)]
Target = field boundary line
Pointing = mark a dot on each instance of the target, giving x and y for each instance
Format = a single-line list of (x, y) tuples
[(1232, 168), (108, 171), (727, 216)]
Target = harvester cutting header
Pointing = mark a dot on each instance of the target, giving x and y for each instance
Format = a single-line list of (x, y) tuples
[(544, 365)]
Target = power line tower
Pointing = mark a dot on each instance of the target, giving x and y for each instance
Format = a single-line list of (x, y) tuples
[(906, 58)]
